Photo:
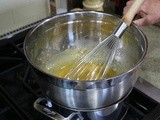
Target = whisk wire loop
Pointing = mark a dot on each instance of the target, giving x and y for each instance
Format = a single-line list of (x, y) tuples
[(95, 64)]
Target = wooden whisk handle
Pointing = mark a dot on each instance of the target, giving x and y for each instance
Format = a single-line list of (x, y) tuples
[(128, 17)]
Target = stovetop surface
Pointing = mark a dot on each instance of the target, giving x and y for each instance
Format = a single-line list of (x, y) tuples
[(19, 90)]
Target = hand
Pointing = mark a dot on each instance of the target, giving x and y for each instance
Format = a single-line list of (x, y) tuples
[(148, 13)]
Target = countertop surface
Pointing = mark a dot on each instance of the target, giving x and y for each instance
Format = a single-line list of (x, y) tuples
[(150, 67)]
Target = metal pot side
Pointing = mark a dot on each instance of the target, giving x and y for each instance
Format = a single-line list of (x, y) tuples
[(92, 97)]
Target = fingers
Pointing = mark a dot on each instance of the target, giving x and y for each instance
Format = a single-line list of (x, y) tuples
[(148, 13), (145, 20), (128, 5), (142, 15), (140, 22)]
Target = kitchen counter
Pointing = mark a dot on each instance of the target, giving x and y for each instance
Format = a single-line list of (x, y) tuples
[(150, 68)]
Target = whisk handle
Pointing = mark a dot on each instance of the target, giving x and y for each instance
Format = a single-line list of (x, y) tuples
[(128, 17)]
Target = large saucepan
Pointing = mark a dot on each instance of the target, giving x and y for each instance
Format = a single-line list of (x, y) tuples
[(83, 30)]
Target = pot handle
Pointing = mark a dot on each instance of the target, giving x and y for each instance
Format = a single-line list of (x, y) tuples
[(44, 109)]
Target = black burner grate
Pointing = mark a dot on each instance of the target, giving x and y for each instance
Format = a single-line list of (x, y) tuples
[(17, 88)]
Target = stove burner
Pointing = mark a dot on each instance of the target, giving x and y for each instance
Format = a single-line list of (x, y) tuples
[(48, 108)]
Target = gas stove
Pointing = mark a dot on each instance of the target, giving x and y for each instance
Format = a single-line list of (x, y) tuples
[(22, 99)]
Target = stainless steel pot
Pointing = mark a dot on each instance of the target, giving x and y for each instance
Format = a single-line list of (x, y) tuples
[(80, 29)]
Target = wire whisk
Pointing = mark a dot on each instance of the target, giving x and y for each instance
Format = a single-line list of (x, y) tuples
[(96, 64)]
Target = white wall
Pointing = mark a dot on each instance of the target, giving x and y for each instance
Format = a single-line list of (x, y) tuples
[(15, 14)]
